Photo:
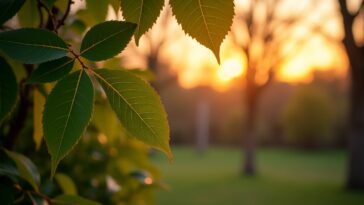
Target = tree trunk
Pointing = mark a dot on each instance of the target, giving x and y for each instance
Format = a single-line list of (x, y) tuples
[(202, 126), (355, 178), (249, 165), (249, 142)]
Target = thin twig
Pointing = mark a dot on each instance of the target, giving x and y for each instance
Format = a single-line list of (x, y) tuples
[(77, 57), (50, 14), (40, 15), (20, 116), (61, 22), (45, 197)]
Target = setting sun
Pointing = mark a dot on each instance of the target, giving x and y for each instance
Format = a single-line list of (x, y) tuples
[(230, 69)]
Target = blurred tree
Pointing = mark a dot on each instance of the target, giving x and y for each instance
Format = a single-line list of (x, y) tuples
[(308, 118), (155, 41), (355, 50), (268, 37)]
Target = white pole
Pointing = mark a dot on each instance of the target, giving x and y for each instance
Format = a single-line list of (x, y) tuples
[(202, 125)]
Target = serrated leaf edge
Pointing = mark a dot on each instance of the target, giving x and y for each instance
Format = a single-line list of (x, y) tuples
[(137, 34), (110, 36), (218, 56), (54, 164), (167, 151)]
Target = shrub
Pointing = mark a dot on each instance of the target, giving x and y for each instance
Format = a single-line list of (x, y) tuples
[(308, 118)]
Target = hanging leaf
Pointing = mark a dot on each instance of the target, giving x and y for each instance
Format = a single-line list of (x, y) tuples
[(28, 15), (38, 104), (66, 183), (106, 40), (208, 21), (143, 13), (52, 70), (26, 169), (72, 200), (30, 45), (66, 114), (145, 74), (137, 106), (9, 9), (8, 89)]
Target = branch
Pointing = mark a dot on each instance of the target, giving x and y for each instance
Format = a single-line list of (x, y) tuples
[(18, 122), (50, 14), (39, 7), (66, 13), (345, 11), (271, 76), (348, 20), (361, 7)]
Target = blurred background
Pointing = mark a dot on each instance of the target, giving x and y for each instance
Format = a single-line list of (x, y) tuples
[(268, 125)]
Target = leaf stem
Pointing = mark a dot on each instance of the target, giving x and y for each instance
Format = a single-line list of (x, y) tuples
[(32, 192), (45, 197), (78, 58)]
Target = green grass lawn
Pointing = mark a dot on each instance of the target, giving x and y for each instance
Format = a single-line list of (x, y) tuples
[(285, 177)]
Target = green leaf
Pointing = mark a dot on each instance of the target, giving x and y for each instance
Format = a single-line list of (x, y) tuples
[(144, 74), (95, 12), (66, 114), (208, 21), (30, 45), (72, 200), (66, 183), (78, 27), (26, 169), (8, 89), (7, 166), (112, 63), (28, 15), (143, 13), (52, 70), (106, 40), (9, 9), (38, 105), (49, 3), (106, 122), (137, 106)]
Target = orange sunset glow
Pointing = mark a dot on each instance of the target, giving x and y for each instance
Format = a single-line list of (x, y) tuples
[(196, 65), (230, 69), (201, 68)]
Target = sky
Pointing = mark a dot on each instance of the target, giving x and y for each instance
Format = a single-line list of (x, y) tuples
[(196, 65)]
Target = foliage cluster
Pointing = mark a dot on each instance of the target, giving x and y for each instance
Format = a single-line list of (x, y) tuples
[(53, 63), (309, 118)]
